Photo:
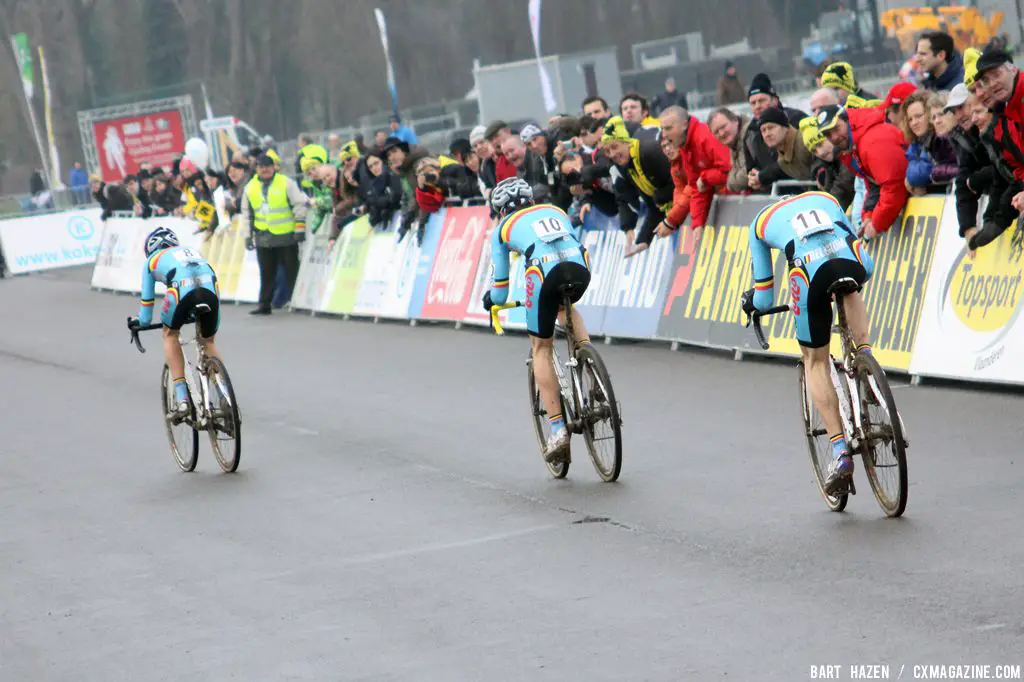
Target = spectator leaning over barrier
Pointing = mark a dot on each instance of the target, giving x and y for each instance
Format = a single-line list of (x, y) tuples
[(345, 201), (702, 167), (829, 174), (993, 129), (539, 143), (587, 175), (528, 165), (316, 154), (730, 128), (459, 169), (793, 158), (839, 76), (893, 103), (146, 191), (591, 130), (383, 192), (597, 108), (164, 200), (729, 89), (485, 153), (874, 150), (637, 116), (403, 133), (998, 85), (111, 197), (761, 161), (402, 160), (938, 58), (274, 221), (497, 132), (670, 98), (238, 178), (931, 158), (645, 175), (976, 174)]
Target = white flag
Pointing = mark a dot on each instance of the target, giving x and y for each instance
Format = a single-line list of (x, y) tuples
[(550, 103)]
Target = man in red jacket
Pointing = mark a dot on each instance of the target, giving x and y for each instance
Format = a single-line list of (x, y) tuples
[(702, 169), (874, 150)]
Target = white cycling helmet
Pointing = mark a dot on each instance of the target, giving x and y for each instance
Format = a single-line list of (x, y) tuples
[(511, 193)]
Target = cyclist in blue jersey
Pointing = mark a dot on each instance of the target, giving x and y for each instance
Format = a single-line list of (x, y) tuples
[(190, 281), (554, 259), (821, 248)]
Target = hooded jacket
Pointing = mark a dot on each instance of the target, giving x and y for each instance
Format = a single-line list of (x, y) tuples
[(877, 154), (702, 157), (647, 178)]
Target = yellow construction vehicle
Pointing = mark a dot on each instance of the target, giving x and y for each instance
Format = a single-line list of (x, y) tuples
[(967, 25)]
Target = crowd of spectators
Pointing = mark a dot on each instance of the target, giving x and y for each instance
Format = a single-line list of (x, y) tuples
[(653, 165)]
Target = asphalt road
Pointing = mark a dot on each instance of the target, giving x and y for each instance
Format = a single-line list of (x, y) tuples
[(392, 519)]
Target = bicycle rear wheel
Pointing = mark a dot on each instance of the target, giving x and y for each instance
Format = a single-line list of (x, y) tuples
[(541, 425), (225, 423), (818, 445), (602, 428), (183, 437), (884, 448)]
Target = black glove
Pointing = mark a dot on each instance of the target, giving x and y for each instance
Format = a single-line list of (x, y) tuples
[(748, 302), (989, 231), (487, 301)]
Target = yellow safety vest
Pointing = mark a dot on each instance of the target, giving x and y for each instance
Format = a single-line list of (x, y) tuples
[(274, 214)]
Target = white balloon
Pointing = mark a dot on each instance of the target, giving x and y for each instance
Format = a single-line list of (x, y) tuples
[(198, 152)]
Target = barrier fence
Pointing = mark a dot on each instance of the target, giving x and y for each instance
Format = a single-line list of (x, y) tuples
[(933, 312)]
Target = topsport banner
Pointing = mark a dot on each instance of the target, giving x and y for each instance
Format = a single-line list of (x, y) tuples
[(703, 303), (54, 240), (970, 326)]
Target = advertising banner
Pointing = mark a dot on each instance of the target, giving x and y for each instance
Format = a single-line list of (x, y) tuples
[(55, 240), (317, 264), (123, 143), (452, 282), (475, 313), (425, 263), (970, 326), (702, 304), (340, 293), (227, 254), (895, 295)]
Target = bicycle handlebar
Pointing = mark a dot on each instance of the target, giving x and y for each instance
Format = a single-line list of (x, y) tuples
[(495, 309), (756, 319), (135, 329)]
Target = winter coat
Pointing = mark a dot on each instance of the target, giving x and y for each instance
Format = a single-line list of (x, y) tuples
[(668, 99), (878, 155), (383, 197), (977, 177), (762, 157), (730, 91), (953, 74), (931, 163), (737, 181), (703, 157), (457, 180), (794, 159)]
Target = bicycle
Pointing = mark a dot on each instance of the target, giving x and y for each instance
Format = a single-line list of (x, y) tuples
[(217, 415), (865, 406), (587, 399)]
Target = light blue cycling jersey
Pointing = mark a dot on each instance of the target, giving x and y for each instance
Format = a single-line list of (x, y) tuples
[(543, 234), (810, 228), (182, 269)]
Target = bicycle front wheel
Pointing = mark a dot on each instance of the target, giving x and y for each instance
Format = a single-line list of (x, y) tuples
[(542, 426), (602, 428), (225, 426), (818, 445), (883, 448), (183, 437)]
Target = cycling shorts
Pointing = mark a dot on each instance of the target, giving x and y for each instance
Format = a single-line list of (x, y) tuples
[(198, 286), (545, 291), (812, 305)]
